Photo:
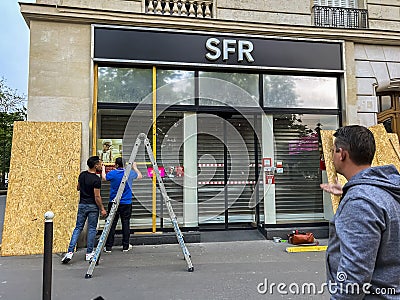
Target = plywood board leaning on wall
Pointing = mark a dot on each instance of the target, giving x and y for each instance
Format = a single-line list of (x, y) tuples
[(44, 167), (394, 140), (387, 152), (327, 147)]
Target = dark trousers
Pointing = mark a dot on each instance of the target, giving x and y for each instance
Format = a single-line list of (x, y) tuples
[(124, 211)]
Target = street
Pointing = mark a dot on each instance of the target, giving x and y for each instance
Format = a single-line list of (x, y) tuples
[(250, 268), (223, 270)]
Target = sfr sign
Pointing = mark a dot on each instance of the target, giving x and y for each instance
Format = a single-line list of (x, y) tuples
[(240, 48)]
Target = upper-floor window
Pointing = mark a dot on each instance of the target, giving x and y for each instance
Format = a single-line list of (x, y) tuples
[(337, 3), (340, 13)]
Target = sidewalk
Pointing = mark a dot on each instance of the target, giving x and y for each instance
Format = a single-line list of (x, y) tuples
[(223, 270)]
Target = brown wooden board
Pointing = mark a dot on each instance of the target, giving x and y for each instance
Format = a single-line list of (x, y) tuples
[(45, 164), (385, 152), (327, 147), (394, 140)]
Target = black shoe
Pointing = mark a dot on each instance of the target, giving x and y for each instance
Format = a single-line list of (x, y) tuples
[(127, 248), (67, 257)]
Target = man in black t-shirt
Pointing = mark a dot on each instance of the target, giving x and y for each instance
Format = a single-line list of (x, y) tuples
[(90, 203)]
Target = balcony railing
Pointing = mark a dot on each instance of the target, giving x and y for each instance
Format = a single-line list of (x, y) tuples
[(195, 9), (327, 16)]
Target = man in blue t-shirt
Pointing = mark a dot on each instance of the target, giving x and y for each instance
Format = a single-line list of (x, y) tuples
[(125, 205)]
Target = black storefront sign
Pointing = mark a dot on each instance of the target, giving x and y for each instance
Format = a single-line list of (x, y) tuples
[(213, 49)]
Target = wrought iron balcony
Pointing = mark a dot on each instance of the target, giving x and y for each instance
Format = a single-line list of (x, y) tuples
[(328, 16), (184, 8)]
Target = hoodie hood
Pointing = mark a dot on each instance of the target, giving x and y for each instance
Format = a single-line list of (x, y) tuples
[(385, 177)]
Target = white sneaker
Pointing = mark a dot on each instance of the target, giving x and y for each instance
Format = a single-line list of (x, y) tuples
[(127, 249), (89, 256), (67, 257)]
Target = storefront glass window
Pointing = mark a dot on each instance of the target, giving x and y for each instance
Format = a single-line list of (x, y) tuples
[(175, 87), (123, 85), (234, 89), (111, 143), (281, 91), (298, 147)]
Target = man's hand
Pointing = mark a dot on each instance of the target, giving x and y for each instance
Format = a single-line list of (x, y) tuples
[(333, 188), (134, 167), (103, 172), (103, 212)]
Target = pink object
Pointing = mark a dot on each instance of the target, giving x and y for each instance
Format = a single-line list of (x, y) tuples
[(150, 171)]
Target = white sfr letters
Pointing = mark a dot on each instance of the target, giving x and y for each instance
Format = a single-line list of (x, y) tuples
[(243, 48)]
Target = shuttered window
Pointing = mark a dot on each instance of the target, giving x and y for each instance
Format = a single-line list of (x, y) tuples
[(337, 3), (112, 126), (241, 204), (298, 196), (240, 170), (210, 154)]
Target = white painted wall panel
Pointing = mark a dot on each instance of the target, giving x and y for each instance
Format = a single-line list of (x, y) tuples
[(367, 104), (367, 119), (365, 86), (364, 69)]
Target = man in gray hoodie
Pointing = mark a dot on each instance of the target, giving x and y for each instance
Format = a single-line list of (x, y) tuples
[(363, 255)]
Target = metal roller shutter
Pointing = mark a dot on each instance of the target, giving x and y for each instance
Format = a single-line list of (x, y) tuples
[(242, 209), (298, 195), (240, 184), (210, 153), (113, 127)]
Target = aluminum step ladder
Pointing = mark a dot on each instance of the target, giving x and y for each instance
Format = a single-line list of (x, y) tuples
[(141, 138)]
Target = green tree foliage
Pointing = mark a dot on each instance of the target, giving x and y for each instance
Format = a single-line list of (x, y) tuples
[(11, 110)]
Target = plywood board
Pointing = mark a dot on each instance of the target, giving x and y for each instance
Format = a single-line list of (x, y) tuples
[(45, 164), (327, 139), (385, 152), (394, 140)]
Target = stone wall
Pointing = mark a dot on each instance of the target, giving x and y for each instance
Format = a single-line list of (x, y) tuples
[(112, 5), (59, 82), (375, 66), (384, 14), (55, 47), (272, 11)]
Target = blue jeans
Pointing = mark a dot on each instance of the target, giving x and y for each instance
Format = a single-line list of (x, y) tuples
[(91, 212)]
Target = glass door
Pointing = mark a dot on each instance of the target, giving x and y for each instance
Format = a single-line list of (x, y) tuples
[(226, 170)]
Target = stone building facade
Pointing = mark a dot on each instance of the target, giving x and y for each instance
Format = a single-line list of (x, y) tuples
[(65, 84)]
